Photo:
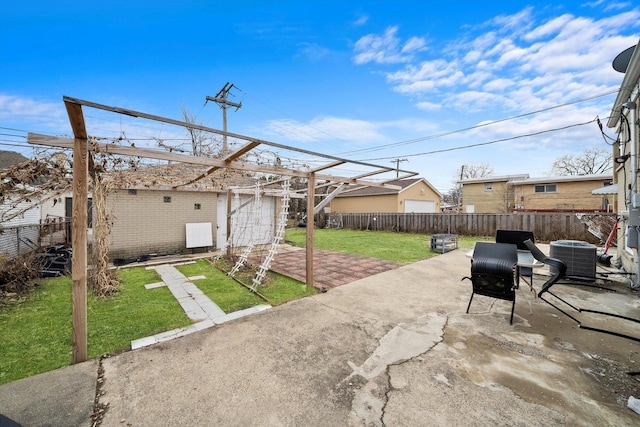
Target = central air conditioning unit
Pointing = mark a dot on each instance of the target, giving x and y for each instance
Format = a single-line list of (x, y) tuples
[(580, 257)]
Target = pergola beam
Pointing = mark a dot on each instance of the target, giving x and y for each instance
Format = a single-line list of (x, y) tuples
[(233, 156), (329, 165), (139, 114), (53, 141), (329, 197)]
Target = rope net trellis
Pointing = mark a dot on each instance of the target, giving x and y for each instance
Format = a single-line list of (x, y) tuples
[(256, 221), (279, 235)]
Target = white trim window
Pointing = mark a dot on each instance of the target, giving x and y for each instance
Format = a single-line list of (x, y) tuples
[(488, 186), (545, 188)]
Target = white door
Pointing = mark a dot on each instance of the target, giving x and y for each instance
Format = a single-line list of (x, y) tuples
[(252, 222), (419, 206), (221, 217)]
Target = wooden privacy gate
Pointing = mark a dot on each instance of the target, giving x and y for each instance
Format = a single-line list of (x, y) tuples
[(83, 145)]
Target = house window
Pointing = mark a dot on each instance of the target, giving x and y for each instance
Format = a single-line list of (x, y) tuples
[(132, 191), (545, 188), (197, 206), (488, 186), (167, 199)]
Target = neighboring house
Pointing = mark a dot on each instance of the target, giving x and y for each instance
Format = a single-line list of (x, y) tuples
[(17, 213), (519, 193), (624, 119), (417, 195), (571, 193), (489, 194)]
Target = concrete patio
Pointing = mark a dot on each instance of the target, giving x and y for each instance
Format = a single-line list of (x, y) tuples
[(394, 348)]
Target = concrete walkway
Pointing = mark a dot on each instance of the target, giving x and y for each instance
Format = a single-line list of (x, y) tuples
[(203, 312)]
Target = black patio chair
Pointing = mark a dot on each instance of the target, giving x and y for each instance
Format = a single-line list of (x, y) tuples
[(493, 272), (518, 237), (558, 270)]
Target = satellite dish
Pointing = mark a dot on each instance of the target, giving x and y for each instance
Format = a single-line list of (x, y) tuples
[(621, 62)]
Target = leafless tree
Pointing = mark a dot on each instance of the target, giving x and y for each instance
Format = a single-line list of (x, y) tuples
[(474, 171), (202, 143), (594, 160)]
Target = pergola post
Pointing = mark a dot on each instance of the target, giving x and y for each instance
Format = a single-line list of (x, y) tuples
[(311, 195), (79, 224), (228, 225)]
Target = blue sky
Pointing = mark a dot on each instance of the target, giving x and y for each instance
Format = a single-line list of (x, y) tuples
[(364, 80)]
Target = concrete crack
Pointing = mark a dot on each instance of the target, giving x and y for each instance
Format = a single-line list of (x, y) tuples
[(99, 409), (389, 387), (401, 344)]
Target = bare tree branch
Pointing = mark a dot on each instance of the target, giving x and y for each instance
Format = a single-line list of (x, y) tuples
[(593, 161)]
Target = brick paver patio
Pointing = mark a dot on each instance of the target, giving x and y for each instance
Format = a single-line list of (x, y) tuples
[(330, 269)]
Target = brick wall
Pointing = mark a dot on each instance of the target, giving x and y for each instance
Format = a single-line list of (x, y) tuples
[(484, 200), (144, 223), (568, 196)]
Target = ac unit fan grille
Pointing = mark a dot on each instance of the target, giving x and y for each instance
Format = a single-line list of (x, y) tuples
[(580, 257)]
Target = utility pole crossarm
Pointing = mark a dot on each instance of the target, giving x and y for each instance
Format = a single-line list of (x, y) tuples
[(224, 103), (397, 162)]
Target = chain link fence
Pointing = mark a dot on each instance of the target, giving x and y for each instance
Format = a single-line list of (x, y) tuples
[(22, 239)]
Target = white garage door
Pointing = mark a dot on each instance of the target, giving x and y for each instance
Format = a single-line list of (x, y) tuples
[(419, 206)]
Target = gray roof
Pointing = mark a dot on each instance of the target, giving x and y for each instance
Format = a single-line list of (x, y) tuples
[(10, 158), (504, 178), (562, 178), (379, 191)]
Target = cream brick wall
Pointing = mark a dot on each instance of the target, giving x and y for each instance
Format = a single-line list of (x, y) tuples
[(485, 201), (568, 196), (145, 224)]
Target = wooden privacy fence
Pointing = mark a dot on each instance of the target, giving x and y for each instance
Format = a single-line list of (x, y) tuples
[(546, 226)]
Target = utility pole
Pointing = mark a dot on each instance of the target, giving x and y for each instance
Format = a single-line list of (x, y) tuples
[(223, 102), (459, 192), (397, 162)]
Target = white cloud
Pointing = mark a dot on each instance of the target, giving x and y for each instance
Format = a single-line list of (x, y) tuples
[(313, 52), (518, 60), (16, 111), (428, 106), (386, 48), (548, 28), (326, 128), (361, 20)]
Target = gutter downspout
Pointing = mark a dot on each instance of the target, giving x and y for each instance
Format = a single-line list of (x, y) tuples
[(635, 141)]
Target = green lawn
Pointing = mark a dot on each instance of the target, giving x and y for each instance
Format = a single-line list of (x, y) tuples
[(230, 296), (391, 246), (35, 333)]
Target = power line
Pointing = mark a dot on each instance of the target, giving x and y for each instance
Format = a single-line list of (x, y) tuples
[(439, 135), (484, 143), (290, 130), (4, 142)]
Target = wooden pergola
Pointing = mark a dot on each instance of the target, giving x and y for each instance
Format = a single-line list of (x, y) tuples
[(82, 147)]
